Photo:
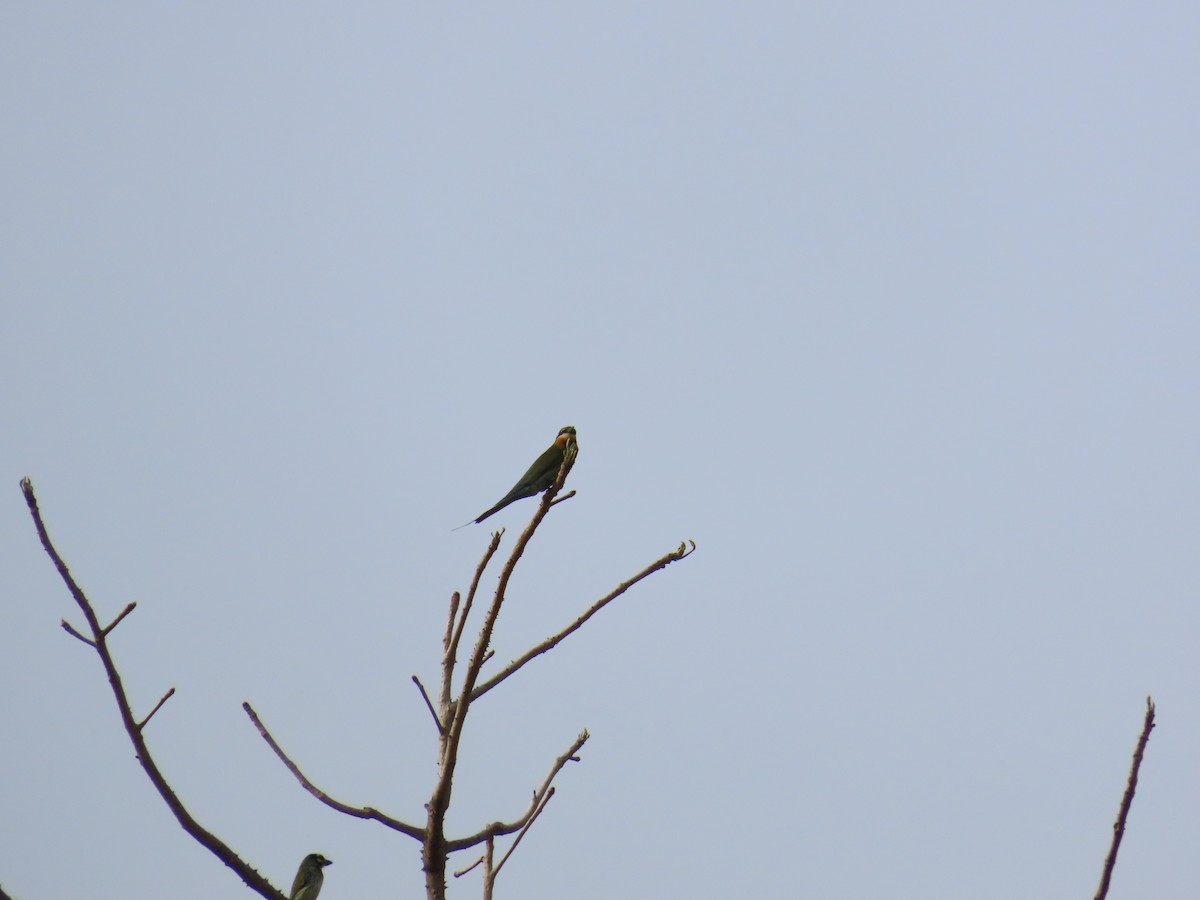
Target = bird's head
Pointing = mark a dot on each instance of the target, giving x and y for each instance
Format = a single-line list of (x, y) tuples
[(317, 861), (566, 435)]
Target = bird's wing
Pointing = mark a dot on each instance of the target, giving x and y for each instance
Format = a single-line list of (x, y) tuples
[(304, 886), (536, 479)]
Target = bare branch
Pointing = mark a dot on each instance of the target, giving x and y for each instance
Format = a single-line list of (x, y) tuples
[(525, 830), (459, 873), (429, 704), (1126, 801), (497, 829), (165, 697), (455, 598), (205, 838), (48, 546), (682, 552), (358, 812), (117, 621), (489, 879), (452, 651), (70, 629), (557, 500)]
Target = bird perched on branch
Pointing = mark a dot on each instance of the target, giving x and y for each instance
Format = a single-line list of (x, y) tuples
[(309, 878), (540, 475)]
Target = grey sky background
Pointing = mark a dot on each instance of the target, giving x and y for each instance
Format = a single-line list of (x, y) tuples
[(891, 307)]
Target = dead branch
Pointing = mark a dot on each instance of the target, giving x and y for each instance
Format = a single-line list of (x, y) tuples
[(99, 641), (450, 656), (157, 706), (429, 703), (1126, 801), (455, 598), (459, 873), (541, 797), (489, 854), (524, 830), (358, 812), (567, 496), (117, 621), (70, 629), (499, 829), (682, 552), (493, 546)]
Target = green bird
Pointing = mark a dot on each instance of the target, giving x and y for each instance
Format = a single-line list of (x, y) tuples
[(309, 878), (540, 475)]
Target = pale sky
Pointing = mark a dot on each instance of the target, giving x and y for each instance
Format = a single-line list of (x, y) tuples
[(892, 308)]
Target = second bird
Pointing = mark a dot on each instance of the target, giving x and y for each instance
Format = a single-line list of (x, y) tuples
[(309, 878), (541, 474)]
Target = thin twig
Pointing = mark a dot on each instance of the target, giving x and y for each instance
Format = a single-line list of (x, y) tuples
[(201, 835), (459, 873), (70, 629), (498, 829), (165, 697), (117, 621), (358, 812), (682, 552), (429, 704), (1126, 801), (452, 650), (520, 834)]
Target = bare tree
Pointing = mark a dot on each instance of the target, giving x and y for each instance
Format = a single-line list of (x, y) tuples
[(455, 698)]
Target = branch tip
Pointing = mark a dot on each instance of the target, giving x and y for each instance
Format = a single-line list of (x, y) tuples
[(165, 697), (1126, 801), (429, 705), (117, 621), (70, 629), (461, 872), (557, 500)]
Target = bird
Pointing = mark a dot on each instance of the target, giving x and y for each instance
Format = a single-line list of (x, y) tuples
[(539, 476), (309, 878)]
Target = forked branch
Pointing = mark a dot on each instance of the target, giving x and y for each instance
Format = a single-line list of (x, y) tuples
[(133, 728), (540, 796)]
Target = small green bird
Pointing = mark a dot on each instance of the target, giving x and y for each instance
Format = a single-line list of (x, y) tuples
[(540, 475), (309, 878)]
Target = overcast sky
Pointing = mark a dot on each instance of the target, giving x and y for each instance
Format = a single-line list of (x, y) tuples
[(893, 308)]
